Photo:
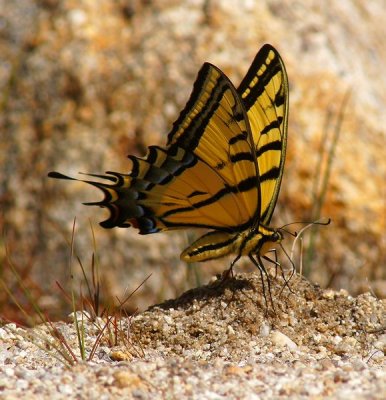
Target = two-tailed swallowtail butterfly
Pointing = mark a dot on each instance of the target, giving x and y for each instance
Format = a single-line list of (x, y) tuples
[(220, 170)]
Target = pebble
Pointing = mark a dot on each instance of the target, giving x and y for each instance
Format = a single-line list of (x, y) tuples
[(336, 339), (313, 389), (265, 330), (230, 330), (380, 344), (279, 339), (6, 333), (80, 316), (376, 355), (22, 384), (65, 389), (22, 372), (124, 378), (326, 364), (358, 364), (9, 371), (77, 17)]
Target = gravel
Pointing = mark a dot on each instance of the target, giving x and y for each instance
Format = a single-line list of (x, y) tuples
[(214, 342)]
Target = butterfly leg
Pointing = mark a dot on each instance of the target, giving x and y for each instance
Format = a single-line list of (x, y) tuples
[(292, 264), (278, 265), (260, 266), (229, 272)]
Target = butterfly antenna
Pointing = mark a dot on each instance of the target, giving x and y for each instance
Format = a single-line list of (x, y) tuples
[(317, 222), (299, 234), (294, 234)]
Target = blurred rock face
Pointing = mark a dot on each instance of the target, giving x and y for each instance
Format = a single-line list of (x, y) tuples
[(83, 84)]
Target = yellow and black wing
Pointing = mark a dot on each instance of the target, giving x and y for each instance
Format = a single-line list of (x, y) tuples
[(264, 93), (223, 162), (262, 138)]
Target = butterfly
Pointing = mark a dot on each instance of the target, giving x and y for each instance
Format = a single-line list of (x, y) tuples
[(221, 169)]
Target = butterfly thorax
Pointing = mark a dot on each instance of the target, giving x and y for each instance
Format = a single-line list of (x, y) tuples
[(258, 240), (218, 244)]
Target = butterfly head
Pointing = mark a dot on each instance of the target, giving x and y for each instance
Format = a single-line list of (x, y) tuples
[(270, 240), (277, 236)]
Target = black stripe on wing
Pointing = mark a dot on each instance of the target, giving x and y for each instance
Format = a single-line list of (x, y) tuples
[(242, 186), (194, 124), (264, 72)]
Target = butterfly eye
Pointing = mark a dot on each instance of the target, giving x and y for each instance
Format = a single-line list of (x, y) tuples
[(277, 236)]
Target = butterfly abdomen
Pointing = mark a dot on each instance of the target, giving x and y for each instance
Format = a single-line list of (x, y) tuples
[(219, 244), (210, 246)]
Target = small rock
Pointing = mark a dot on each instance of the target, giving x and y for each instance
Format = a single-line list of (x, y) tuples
[(376, 354), (168, 319), (77, 17), (9, 371), (79, 315), (22, 372), (336, 339), (230, 330), (124, 378), (65, 389), (326, 364), (120, 355), (279, 339), (6, 333), (380, 344), (347, 367), (293, 321), (265, 330), (329, 294), (22, 384), (341, 376), (359, 365), (317, 337), (234, 370)]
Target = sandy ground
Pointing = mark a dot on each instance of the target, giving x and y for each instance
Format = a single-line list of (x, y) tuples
[(215, 342)]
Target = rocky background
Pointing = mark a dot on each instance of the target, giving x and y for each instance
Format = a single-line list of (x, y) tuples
[(83, 84)]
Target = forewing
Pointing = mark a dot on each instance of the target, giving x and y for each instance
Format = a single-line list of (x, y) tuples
[(214, 127), (264, 92)]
